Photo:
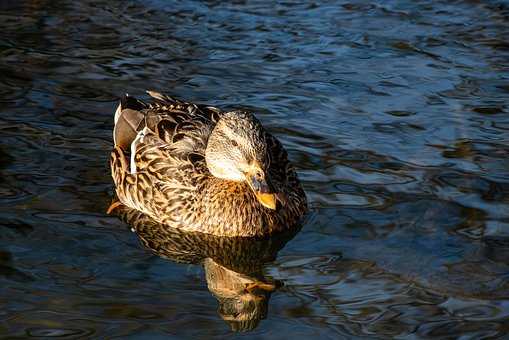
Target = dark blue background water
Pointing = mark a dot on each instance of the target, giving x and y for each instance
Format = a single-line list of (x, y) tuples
[(395, 114)]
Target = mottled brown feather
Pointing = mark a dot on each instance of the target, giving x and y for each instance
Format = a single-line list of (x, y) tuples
[(172, 183)]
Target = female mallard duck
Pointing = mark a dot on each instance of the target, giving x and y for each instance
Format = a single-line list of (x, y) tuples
[(197, 168)]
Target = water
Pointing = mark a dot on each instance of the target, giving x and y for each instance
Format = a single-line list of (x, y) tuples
[(395, 114)]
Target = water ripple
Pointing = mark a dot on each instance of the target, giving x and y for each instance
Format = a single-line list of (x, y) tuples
[(395, 115)]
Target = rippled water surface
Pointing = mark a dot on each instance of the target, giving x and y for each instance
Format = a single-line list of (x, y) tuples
[(395, 114)]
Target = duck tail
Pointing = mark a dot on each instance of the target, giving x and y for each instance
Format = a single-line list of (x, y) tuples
[(128, 102), (129, 120)]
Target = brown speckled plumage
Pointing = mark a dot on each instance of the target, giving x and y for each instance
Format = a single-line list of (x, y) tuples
[(172, 180)]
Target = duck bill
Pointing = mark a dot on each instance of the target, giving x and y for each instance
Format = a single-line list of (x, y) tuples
[(263, 193), (267, 200)]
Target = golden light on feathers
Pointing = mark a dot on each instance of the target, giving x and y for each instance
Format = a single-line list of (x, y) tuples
[(198, 168)]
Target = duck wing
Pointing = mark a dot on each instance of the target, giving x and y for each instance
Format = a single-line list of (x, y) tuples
[(160, 153), (183, 125)]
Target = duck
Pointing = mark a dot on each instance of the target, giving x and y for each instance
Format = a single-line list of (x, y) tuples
[(198, 168)]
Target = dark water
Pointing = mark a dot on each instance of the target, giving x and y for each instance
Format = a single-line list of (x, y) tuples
[(395, 114)]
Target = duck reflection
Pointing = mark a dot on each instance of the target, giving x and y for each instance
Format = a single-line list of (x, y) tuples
[(233, 265)]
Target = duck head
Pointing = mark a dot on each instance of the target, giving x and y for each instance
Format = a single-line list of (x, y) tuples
[(237, 151)]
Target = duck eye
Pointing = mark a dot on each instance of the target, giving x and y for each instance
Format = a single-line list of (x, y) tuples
[(234, 143)]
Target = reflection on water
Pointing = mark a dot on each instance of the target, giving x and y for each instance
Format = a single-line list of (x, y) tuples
[(233, 265), (395, 115)]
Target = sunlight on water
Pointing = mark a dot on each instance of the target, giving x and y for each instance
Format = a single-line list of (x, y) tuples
[(395, 115)]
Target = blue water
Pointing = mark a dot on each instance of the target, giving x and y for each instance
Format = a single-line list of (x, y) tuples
[(394, 113)]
